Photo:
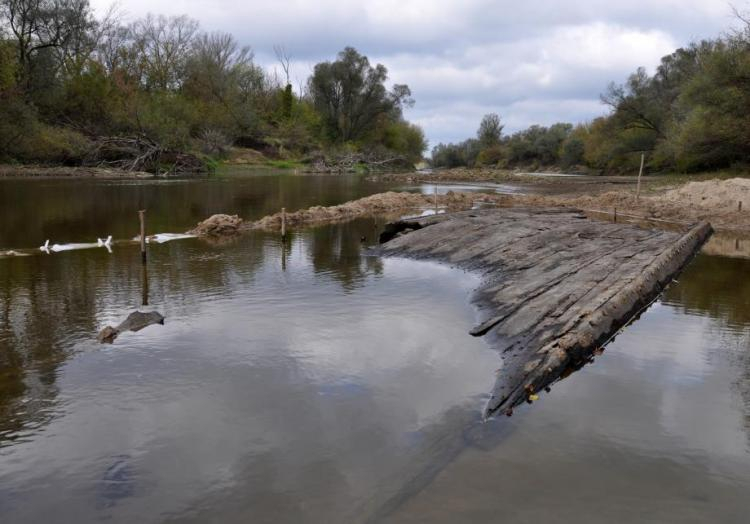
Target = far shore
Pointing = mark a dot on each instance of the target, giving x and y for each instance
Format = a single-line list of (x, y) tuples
[(34, 171), (563, 188)]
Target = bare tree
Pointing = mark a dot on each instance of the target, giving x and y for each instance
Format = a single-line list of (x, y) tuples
[(284, 59), (220, 70), (216, 63), (743, 33), (86, 38), (114, 47), (39, 25), (164, 44)]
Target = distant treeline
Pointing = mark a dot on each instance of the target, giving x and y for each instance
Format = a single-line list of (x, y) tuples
[(693, 114), (68, 79)]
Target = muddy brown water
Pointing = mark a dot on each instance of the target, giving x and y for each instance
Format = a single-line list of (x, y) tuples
[(310, 382)]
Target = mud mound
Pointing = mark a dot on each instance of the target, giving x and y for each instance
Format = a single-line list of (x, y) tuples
[(371, 205), (218, 225), (717, 195)]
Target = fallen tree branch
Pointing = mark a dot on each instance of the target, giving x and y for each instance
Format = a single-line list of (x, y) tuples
[(142, 154)]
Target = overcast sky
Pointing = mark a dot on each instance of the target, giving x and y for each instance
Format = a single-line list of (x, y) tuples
[(532, 61)]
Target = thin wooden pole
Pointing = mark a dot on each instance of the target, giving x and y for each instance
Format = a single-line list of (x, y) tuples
[(142, 217), (283, 224), (739, 205), (640, 172), (615, 213), (144, 285), (436, 199)]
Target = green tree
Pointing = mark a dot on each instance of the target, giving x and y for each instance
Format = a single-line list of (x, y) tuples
[(351, 96), (490, 130)]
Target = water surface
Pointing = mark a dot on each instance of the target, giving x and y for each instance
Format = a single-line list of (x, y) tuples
[(311, 382)]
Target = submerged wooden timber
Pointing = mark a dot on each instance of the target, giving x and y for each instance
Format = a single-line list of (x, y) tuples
[(557, 284)]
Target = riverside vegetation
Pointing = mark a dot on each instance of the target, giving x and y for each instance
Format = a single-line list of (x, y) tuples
[(161, 95), (689, 116)]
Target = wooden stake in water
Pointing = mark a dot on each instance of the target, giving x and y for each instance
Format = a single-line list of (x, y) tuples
[(640, 172), (436, 199), (142, 217), (283, 224), (615, 213), (739, 205), (144, 285)]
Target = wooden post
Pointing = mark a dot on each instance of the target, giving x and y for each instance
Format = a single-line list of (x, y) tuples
[(142, 217), (144, 285), (283, 224), (640, 172), (436, 199), (739, 205), (615, 213)]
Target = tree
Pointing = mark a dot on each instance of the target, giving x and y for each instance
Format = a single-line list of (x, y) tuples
[(405, 139), (221, 74), (163, 45), (287, 97), (17, 119), (351, 96), (711, 128), (489, 130), (455, 155), (43, 26)]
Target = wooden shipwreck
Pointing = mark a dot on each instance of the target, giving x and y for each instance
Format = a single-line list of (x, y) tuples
[(557, 285)]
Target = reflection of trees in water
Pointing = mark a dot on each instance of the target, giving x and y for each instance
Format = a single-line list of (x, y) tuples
[(337, 249), (716, 286), (50, 304), (32, 343), (719, 287), (79, 211)]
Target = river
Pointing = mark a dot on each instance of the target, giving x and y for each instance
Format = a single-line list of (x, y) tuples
[(312, 382)]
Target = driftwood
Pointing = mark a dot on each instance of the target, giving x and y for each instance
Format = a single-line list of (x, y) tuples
[(135, 322), (556, 287), (348, 162), (142, 154)]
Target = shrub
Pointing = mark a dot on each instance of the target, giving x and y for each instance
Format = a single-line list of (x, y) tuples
[(491, 156)]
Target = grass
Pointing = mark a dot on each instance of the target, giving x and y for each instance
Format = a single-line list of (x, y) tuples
[(284, 164)]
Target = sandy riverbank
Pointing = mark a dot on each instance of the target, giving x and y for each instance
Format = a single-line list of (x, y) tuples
[(724, 203)]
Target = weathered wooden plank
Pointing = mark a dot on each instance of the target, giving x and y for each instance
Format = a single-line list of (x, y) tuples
[(556, 286)]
